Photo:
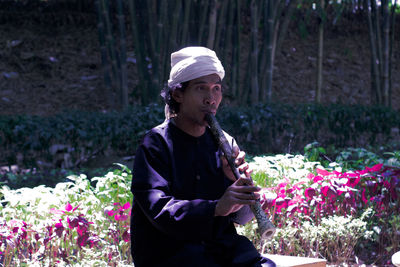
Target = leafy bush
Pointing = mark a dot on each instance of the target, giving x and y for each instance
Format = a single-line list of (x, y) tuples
[(68, 139), (301, 191), (92, 226), (332, 212)]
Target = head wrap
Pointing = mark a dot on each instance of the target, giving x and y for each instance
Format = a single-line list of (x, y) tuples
[(193, 62)]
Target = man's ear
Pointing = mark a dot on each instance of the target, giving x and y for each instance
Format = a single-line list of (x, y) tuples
[(178, 96)]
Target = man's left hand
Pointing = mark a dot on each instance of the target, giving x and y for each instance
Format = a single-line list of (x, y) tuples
[(240, 163)]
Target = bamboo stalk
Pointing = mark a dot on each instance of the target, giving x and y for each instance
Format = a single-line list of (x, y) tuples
[(162, 50), (385, 57), (203, 18), (115, 81), (255, 92), (124, 76), (237, 62), (320, 53), (285, 24), (141, 63), (212, 24), (104, 57), (186, 17), (269, 40), (393, 17), (221, 24), (375, 84), (148, 21), (175, 25), (378, 35), (228, 47)]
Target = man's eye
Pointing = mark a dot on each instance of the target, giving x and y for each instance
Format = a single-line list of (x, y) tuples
[(217, 88)]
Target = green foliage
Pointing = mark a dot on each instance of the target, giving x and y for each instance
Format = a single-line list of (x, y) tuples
[(281, 128), (268, 171), (34, 218), (361, 220), (335, 238), (73, 136), (67, 139)]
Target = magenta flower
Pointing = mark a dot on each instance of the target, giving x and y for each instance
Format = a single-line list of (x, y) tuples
[(68, 208), (59, 228), (310, 193), (281, 203), (323, 172), (126, 236), (72, 223)]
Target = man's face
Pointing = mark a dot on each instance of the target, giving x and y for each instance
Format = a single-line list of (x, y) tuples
[(202, 95)]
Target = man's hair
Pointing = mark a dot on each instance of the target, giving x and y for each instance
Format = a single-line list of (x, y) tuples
[(166, 94)]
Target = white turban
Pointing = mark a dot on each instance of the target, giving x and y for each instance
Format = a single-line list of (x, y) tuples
[(193, 62)]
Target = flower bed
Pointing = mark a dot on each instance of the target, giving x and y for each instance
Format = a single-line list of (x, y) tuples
[(338, 214)]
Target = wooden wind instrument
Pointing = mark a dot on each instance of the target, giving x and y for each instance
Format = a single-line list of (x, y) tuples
[(265, 228)]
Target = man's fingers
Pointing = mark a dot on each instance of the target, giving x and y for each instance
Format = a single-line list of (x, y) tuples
[(239, 158), (244, 181), (235, 151)]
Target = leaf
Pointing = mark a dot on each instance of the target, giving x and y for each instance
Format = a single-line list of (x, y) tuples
[(13, 43), (11, 75)]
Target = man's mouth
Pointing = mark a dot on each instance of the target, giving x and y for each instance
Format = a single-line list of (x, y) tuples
[(209, 111)]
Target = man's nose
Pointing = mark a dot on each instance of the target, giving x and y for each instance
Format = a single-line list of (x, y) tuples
[(209, 99)]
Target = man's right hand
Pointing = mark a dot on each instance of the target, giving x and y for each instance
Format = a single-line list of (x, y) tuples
[(241, 192)]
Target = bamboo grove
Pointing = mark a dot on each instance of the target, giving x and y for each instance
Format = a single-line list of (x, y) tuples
[(246, 35)]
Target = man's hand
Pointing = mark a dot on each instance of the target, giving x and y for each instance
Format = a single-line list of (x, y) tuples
[(242, 166), (241, 192)]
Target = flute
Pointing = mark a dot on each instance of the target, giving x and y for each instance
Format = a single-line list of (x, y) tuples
[(265, 228)]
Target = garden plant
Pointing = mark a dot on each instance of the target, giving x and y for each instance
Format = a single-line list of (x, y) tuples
[(333, 210)]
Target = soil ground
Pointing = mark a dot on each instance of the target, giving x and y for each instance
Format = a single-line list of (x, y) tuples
[(52, 63)]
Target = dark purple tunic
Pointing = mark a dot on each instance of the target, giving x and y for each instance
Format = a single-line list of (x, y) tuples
[(177, 180)]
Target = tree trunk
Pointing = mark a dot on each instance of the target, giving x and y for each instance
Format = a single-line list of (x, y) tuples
[(140, 53), (269, 50), (385, 58), (212, 24), (203, 19), (320, 52), (375, 81), (124, 101), (255, 92), (185, 29), (393, 17), (238, 90), (105, 63), (111, 49)]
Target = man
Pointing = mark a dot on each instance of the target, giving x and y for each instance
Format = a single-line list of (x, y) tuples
[(186, 199)]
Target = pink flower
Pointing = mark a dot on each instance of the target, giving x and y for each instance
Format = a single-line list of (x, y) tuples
[(317, 179), (59, 228), (82, 239), (68, 208), (280, 204), (352, 182), (329, 192), (126, 236), (72, 223), (310, 193), (323, 172), (110, 213), (126, 206), (120, 217)]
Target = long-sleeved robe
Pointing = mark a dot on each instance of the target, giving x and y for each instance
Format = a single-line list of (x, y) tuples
[(177, 180)]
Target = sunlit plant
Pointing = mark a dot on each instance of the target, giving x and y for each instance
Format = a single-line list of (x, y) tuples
[(68, 224), (299, 191)]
